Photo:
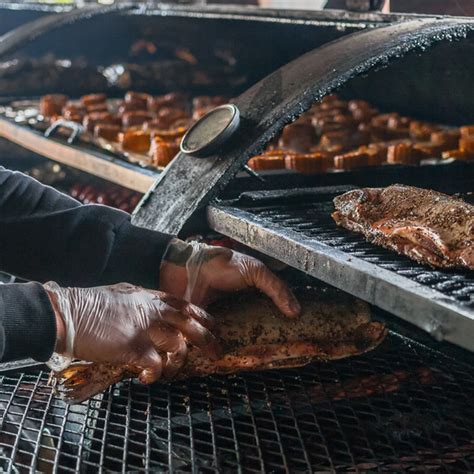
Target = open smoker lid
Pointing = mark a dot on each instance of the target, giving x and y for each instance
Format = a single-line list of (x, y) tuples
[(419, 68)]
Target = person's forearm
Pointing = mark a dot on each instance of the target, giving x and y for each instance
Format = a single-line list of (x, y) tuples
[(27, 323), (47, 235)]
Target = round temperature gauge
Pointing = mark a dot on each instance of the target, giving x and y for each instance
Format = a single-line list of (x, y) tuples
[(211, 131)]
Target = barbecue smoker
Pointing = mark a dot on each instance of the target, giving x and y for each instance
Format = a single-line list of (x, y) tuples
[(404, 407)]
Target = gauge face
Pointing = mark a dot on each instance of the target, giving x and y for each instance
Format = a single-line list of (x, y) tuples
[(211, 130)]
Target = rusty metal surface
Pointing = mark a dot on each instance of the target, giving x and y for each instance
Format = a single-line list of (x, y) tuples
[(188, 183)]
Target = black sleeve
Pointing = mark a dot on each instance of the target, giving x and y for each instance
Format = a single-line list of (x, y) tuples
[(46, 235), (27, 323)]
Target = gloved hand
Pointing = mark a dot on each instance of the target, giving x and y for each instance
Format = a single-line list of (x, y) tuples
[(126, 324), (196, 272)]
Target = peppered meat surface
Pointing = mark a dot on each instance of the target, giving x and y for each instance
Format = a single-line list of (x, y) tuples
[(427, 226), (256, 336)]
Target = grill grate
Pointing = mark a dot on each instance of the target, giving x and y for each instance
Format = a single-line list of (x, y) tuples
[(295, 226), (314, 221), (37, 430), (400, 408)]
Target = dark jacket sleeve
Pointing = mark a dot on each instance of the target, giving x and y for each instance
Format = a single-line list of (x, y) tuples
[(27, 322), (46, 235)]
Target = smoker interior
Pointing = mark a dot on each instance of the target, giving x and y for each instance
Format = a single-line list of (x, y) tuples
[(157, 47), (154, 49), (13, 15), (404, 407), (429, 85), (288, 217)]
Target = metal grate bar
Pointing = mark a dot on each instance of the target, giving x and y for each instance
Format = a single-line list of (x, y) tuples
[(61, 437), (212, 430), (458, 286), (33, 424), (232, 449)]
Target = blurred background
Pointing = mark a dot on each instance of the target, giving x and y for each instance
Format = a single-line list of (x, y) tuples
[(445, 7)]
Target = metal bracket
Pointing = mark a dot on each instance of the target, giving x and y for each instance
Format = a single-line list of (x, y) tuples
[(77, 129), (253, 174)]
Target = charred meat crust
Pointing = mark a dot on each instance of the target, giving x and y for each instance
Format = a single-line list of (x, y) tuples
[(429, 227)]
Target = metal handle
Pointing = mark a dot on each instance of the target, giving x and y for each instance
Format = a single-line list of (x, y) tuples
[(77, 129), (253, 173)]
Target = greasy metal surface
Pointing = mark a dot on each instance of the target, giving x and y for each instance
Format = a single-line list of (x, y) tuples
[(15, 39), (14, 15), (235, 11), (300, 232), (402, 408), (81, 156), (278, 99), (253, 13), (13, 6)]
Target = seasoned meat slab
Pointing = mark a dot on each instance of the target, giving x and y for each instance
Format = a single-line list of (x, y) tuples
[(256, 336), (427, 226)]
